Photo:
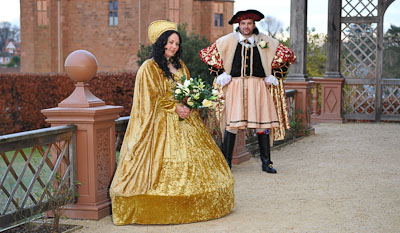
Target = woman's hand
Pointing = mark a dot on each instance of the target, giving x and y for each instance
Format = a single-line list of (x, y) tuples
[(182, 111)]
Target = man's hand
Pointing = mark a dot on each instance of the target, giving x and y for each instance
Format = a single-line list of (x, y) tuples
[(223, 79), (271, 80)]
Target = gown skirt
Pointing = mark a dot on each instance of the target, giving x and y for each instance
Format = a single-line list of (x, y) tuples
[(194, 183)]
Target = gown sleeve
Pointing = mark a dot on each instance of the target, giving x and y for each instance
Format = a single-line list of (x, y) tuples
[(166, 104), (143, 146)]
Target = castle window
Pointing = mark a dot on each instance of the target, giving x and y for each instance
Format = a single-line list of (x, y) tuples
[(218, 20), (113, 13), (173, 10), (41, 8), (218, 15)]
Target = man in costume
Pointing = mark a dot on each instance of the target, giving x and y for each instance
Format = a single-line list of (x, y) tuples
[(250, 66)]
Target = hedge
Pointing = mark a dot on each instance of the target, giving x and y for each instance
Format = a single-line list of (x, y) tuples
[(23, 95)]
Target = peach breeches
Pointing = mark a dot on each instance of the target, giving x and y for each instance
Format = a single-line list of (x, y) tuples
[(248, 104)]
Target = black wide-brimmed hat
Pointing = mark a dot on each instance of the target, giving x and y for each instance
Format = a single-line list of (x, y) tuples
[(249, 14)]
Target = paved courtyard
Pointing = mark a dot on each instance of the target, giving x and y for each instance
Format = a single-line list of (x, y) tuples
[(345, 178)]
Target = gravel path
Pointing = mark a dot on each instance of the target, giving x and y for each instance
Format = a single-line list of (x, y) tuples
[(345, 178)]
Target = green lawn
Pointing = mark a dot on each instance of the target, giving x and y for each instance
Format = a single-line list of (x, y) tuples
[(17, 166), (117, 156)]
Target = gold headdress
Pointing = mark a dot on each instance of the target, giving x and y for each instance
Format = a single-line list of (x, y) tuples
[(158, 27)]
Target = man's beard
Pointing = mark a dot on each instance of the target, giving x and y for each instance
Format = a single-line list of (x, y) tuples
[(252, 32)]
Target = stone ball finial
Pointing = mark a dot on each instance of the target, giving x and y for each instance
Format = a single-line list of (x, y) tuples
[(81, 65)]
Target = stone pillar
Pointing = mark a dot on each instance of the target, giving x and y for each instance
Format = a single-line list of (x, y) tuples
[(334, 39), (298, 40), (331, 84), (297, 77), (95, 140), (303, 102), (240, 153), (331, 95)]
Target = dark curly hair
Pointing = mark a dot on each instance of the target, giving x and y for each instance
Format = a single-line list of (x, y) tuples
[(255, 30), (158, 53)]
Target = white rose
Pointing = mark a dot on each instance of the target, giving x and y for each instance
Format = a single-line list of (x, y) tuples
[(214, 92), (186, 90), (262, 44), (206, 103), (178, 91)]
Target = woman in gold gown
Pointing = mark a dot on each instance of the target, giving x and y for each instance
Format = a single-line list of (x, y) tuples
[(169, 171)]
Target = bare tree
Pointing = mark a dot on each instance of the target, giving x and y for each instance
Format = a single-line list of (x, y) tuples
[(271, 25), (8, 32)]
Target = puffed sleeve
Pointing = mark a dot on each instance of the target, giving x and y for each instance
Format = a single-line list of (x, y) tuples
[(150, 86), (283, 58), (212, 58)]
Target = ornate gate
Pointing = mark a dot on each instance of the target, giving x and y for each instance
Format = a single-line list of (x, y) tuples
[(366, 94)]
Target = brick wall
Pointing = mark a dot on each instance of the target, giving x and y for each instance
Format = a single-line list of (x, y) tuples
[(204, 18), (27, 36), (88, 28), (85, 25)]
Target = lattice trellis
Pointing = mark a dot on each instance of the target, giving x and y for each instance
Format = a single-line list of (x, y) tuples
[(359, 48), (359, 8), (359, 99), (366, 94), (37, 169), (391, 100)]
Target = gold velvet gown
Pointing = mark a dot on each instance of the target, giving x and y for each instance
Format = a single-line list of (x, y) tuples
[(169, 171)]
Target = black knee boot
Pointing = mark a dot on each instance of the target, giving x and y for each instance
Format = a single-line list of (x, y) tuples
[(227, 147), (265, 153)]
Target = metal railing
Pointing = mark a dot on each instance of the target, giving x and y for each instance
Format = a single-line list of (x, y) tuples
[(34, 166), (120, 128), (359, 100), (291, 104)]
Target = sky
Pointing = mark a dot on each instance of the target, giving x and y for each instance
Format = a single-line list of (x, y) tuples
[(9, 11), (317, 12)]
